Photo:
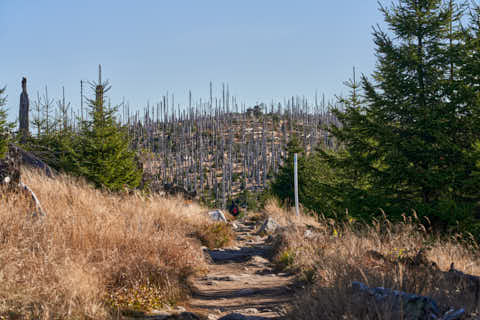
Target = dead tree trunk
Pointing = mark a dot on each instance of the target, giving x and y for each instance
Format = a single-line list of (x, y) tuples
[(24, 110)]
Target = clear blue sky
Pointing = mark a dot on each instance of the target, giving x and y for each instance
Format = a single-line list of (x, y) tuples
[(264, 49)]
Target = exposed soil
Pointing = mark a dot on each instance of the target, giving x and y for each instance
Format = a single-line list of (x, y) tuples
[(241, 284), (241, 281)]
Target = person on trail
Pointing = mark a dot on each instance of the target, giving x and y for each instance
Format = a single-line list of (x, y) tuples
[(234, 211)]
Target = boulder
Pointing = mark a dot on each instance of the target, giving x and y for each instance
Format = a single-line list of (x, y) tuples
[(413, 306), (217, 215), (269, 226)]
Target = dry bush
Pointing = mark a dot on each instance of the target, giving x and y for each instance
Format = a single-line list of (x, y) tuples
[(217, 235), (94, 251), (402, 256)]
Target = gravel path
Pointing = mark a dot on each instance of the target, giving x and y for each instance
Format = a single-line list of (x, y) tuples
[(241, 283)]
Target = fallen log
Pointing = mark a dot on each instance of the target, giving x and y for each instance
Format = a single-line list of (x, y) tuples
[(29, 159)]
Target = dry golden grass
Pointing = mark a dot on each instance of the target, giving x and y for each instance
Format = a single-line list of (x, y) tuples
[(94, 251), (288, 217), (336, 254)]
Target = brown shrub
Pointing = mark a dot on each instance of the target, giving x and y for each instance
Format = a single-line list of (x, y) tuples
[(217, 235)]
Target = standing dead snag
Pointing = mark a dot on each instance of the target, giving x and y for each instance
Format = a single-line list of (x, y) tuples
[(24, 110), (99, 91)]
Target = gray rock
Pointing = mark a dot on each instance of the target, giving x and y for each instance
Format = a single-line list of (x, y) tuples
[(251, 311), (269, 226), (217, 215), (257, 260), (238, 316), (309, 234), (453, 314), (414, 306), (246, 292)]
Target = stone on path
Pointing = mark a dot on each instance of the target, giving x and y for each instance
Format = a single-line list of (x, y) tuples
[(269, 226), (258, 260), (239, 316), (217, 215), (251, 310)]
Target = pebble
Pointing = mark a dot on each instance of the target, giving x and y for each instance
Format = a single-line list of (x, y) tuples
[(259, 260), (251, 311)]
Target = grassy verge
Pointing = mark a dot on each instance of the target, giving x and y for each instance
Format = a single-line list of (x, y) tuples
[(94, 253), (405, 256)]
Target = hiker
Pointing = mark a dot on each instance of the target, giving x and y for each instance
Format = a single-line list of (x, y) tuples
[(234, 211)]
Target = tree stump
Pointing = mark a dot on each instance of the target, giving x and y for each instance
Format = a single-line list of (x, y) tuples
[(10, 179)]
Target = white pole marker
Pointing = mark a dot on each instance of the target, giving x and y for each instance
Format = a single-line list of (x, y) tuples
[(295, 181)]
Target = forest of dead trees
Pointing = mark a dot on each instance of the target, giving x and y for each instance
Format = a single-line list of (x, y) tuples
[(215, 148)]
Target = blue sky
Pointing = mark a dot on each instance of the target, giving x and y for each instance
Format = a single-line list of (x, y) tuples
[(264, 49)]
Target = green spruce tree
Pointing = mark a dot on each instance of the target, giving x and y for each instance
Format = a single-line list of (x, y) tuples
[(4, 125), (470, 88), (408, 143), (101, 152)]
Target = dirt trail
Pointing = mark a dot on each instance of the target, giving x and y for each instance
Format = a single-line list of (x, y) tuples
[(241, 281)]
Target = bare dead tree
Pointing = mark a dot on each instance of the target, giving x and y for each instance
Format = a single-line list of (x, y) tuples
[(24, 111)]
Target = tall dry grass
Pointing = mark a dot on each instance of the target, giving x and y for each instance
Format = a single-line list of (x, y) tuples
[(329, 256), (93, 252)]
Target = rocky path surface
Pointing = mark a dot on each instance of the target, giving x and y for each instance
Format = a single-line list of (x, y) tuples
[(241, 283)]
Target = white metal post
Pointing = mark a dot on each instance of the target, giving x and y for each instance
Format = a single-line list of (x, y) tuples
[(295, 181)]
